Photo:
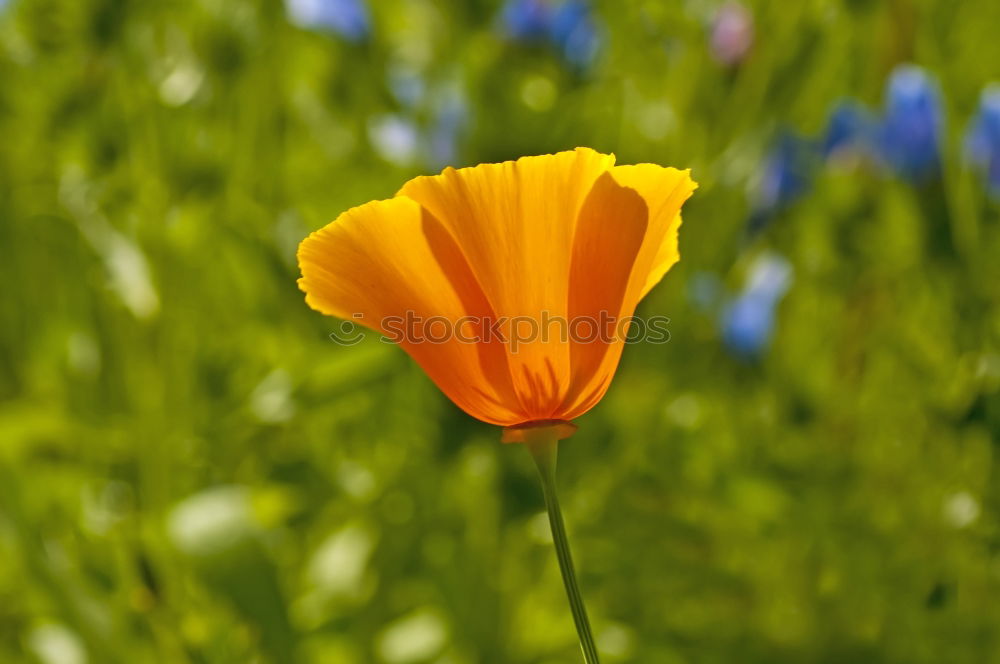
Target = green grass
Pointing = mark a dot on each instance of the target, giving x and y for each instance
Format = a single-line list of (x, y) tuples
[(192, 472)]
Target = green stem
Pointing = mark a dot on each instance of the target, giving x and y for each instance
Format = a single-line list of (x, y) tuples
[(544, 453)]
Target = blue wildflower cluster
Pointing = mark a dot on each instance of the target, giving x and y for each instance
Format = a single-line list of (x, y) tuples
[(568, 26), (905, 140)]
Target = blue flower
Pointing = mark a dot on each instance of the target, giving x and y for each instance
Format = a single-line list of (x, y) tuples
[(348, 18), (526, 20), (910, 134), (747, 321), (747, 324), (785, 173), (568, 26), (785, 178), (851, 130), (982, 142), (574, 32)]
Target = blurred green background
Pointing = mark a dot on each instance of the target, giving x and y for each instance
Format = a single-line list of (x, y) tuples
[(192, 471)]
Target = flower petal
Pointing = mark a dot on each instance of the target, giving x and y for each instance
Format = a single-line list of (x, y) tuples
[(665, 190), (511, 216), (515, 223), (636, 244), (609, 237), (391, 266)]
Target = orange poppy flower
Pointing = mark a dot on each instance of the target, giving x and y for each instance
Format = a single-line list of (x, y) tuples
[(484, 274)]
